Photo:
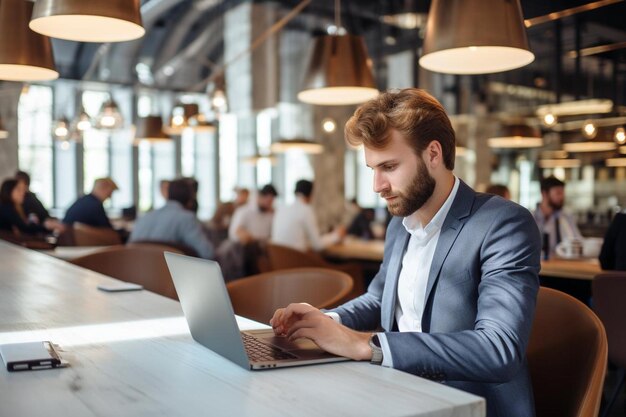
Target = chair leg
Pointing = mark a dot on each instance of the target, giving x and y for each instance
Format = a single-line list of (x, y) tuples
[(620, 383)]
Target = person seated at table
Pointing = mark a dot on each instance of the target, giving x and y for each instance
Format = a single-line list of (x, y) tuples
[(217, 227), (550, 217), (174, 222), (295, 226), (613, 253), (455, 296), (33, 208), (499, 189), (361, 226), (254, 222), (89, 208), (12, 216)]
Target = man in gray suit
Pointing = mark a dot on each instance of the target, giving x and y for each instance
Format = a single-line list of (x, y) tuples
[(455, 295)]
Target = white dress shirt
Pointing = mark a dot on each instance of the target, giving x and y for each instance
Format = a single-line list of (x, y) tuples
[(415, 269), (295, 226), (256, 222)]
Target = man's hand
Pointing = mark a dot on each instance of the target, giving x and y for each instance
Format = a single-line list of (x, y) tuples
[(304, 320)]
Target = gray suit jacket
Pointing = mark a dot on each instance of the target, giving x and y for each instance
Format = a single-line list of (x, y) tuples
[(480, 302)]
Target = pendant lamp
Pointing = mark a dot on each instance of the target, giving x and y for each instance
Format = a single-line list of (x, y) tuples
[(517, 137), (475, 37), (24, 54), (88, 20), (339, 72), (109, 116), (297, 144), (150, 128)]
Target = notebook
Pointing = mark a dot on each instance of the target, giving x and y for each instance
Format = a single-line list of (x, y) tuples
[(211, 319)]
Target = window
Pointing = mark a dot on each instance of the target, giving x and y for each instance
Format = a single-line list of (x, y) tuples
[(35, 140)]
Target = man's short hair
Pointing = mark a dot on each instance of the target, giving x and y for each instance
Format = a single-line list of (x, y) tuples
[(268, 190), (550, 182), (180, 190), (414, 113), (304, 187), (105, 182), (23, 176)]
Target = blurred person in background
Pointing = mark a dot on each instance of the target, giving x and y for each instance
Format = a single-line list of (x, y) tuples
[(89, 208), (33, 208), (12, 216), (174, 222), (613, 253), (253, 222), (550, 217), (295, 226)]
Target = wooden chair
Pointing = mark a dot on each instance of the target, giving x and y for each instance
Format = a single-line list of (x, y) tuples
[(567, 355), (283, 257), (609, 290), (257, 297), (85, 235), (140, 264), (187, 250)]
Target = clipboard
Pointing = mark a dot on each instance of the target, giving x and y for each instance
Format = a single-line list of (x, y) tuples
[(31, 356)]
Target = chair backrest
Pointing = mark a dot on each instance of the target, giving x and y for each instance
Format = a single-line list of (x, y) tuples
[(609, 290), (140, 264), (283, 257), (85, 235), (258, 296), (187, 250), (567, 355)]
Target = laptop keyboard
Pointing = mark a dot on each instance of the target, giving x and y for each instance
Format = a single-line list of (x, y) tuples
[(259, 351)]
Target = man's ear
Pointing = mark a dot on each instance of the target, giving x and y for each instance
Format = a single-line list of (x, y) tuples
[(434, 152)]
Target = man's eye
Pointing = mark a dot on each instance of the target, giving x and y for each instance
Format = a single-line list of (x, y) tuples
[(389, 167)]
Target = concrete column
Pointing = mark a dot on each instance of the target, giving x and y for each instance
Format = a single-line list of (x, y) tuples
[(9, 100)]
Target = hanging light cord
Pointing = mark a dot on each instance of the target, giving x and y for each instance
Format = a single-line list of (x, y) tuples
[(338, 14)]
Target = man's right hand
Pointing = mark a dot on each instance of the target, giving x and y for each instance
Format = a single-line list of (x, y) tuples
[(283, 319)]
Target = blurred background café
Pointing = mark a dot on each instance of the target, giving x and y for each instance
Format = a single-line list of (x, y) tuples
[(212, 125)]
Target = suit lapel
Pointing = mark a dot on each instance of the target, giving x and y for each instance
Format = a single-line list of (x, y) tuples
[(390, 294), (452, 225)]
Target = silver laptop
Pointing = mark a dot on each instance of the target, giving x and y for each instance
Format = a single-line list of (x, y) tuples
[(209, 313)]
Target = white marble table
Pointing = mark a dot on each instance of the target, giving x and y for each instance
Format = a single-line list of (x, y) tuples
[(69, 253), (131, 355)]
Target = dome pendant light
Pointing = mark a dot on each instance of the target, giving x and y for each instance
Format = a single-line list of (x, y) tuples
[(88, 20), (339, 71), (475, 37), (24, 54)]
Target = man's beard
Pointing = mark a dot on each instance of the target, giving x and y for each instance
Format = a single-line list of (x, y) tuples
[(555, 206), (420, 189)]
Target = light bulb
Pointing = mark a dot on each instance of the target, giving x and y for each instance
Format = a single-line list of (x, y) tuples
[(329, 125), (549, 119), (589, 130), (620, 136)]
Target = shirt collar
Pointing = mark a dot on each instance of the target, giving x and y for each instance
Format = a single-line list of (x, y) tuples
[(412, 224)]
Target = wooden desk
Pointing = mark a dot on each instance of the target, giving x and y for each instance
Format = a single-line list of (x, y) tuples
[(357, 249), (363, 250), (131, 355), (583, 269), (68, 253)]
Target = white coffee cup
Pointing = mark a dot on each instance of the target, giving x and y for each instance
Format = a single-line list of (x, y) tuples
[(570, 249), (592, 247)]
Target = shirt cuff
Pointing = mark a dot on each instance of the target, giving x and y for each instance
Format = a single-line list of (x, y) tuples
[(334, 316), (384, 345)]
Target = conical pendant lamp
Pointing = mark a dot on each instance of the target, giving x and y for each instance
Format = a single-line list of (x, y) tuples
[(475, 37), (150, 128), (339, 72), (24, 54), (88, 20)]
